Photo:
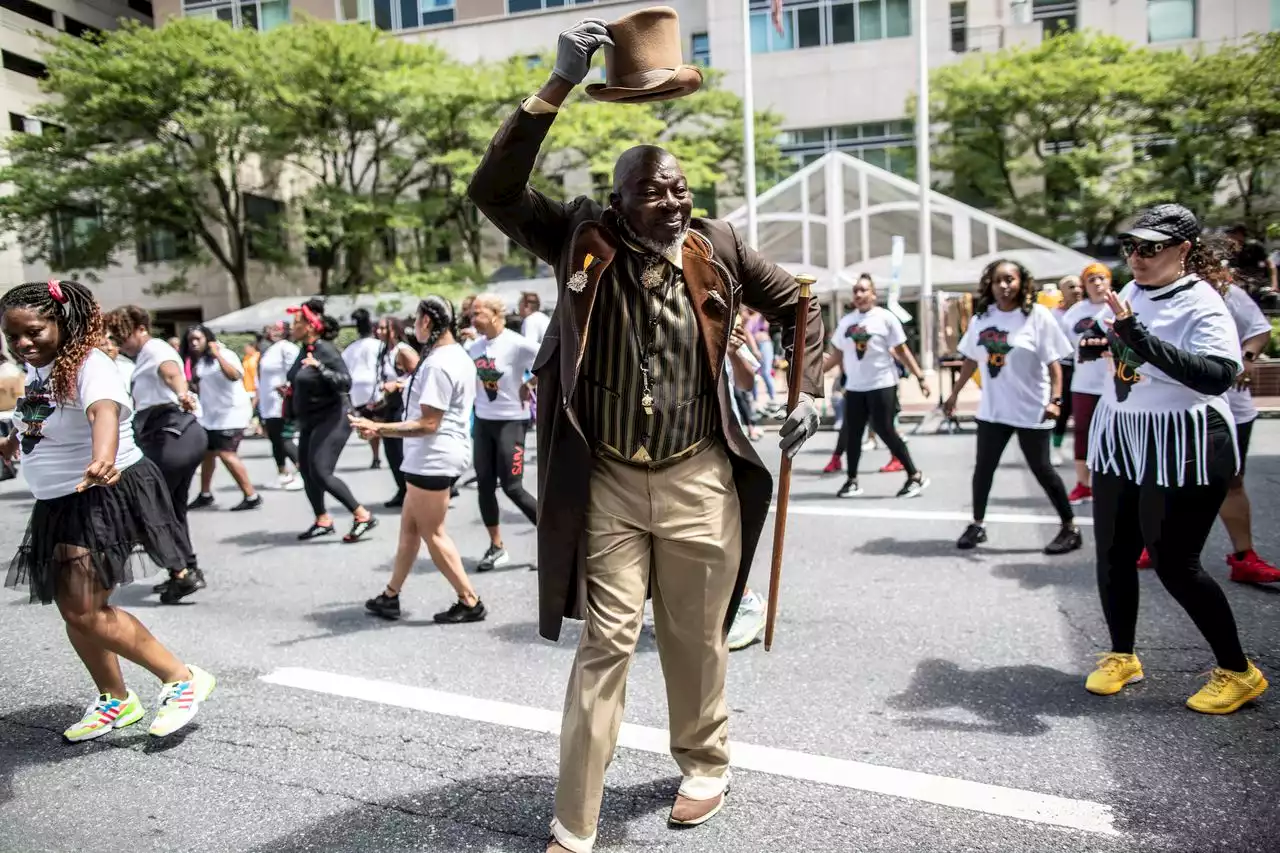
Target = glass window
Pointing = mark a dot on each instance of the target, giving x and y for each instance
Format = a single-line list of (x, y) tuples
[(382, 14), (808, 27), (250, 14), (897, 18), (810, 23), (410, 13), (700, 49), (842, 26), (765, 38), (72, 229), (1058, 16), (1171, 20), (888, 145), (870, 20), (1275, 14), (959, 27)]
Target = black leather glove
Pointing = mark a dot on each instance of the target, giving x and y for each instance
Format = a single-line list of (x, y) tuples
[(800, 425)]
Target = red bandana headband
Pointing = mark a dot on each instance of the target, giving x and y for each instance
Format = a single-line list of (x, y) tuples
[(316, 322), (55, 292)]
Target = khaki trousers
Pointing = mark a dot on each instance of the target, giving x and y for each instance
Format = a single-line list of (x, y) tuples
[(679, 528)]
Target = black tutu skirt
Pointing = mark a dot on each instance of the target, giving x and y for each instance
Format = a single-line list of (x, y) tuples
[(117, 525)]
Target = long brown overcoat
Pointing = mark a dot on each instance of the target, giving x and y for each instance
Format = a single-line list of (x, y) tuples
[(720, 274)]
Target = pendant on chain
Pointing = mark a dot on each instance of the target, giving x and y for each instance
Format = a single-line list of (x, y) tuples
[(653, 275), (647, 402)]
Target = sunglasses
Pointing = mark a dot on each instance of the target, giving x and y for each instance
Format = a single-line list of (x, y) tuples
[(1144, 249)]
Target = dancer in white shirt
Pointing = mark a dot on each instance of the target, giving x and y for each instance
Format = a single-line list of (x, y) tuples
[(226, 409)]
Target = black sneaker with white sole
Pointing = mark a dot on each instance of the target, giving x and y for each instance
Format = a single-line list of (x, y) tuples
[(973, 536), (914, 486), (494, 557), (254, 502), (1067, 540), (202, 500), (386, 606), (459, 613), (850, 489), (180, 586)]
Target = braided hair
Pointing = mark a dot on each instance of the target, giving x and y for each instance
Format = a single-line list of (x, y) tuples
[(440, 312), (1027, 290), (79, 320)]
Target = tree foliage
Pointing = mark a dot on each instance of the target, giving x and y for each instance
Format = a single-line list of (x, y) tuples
[(369, 139), (1071, 136)]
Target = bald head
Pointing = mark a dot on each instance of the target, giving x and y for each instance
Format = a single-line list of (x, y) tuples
[(643, 161), (651, 196)]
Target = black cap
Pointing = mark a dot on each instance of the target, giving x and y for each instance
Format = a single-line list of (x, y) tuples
[(1165, 222)]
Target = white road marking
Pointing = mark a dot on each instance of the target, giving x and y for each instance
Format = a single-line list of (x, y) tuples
[(909, 784), (927, 515)]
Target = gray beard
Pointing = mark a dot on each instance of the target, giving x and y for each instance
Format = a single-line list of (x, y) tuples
[(660, 249)]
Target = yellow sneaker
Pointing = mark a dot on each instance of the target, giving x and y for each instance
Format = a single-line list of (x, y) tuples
[(1227, 690), (1114, 671)]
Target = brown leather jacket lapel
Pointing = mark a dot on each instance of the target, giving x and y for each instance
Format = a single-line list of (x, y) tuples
[(711, 298), (590, 253)]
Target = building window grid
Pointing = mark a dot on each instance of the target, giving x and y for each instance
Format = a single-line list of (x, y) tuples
[(837, 22), (394, 15), (520, 7), (27, 9), (888, 145), (260, 15), (959, 27), (700, 49), (1172, 20), (1057, 15)]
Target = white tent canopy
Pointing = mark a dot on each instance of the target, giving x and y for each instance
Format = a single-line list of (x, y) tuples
[(836, 218)]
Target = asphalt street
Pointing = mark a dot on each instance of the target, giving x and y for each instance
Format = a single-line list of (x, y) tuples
[(331, 730)]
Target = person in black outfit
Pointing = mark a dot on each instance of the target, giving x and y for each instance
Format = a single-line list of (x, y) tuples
[(318, 400)]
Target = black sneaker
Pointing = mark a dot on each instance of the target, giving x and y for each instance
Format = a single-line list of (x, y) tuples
[(973, 536), (914, 486), (850, 489), (460, 613), (179, 587), (359, 529), (254, 502), (377, 463), (161, 587), (386, 606), (396, 502), (453, 491), (202, 500), (493, 557), (315, 531), (1067, 540)]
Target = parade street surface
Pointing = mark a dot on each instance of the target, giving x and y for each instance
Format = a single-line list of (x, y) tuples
[(918, 698)]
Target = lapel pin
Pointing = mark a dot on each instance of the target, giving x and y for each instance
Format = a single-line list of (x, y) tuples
[(578, 281), (714, 296)]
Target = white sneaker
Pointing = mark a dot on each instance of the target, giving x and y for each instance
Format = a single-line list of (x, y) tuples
[(179, 700), (748, 622), (1056, 457), (290, 483)]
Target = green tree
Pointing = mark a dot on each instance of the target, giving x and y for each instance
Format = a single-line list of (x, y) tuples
[(1043, 135), (154, 129)]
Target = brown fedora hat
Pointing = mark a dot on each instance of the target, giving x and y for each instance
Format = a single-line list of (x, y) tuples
[(645, 62)]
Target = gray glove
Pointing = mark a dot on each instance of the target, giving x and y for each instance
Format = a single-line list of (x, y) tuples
[(800, 425), (576, 46)]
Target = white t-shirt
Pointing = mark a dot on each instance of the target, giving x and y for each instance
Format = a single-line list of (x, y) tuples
[(224, 403), (361, 359), (55, 464), (1013, 351), (1060, 314), (149, 389), (1086, 319), (1250, 322), (866, 341), (535, 326), (1143, 404), (501, 364), (445, 380), (126, 367), (387, 370), (273, 371)]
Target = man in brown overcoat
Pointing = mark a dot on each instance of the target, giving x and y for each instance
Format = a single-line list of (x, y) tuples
[(646, 481)]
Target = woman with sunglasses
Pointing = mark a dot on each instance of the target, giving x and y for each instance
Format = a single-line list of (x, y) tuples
[(98, 498), (1018, 346), (1162, 449)]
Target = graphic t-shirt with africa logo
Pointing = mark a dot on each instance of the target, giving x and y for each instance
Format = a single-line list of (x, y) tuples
[(866, 340), (1013, 351), (501, 364)]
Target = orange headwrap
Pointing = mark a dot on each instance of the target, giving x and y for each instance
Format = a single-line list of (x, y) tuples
[(1096, 268)]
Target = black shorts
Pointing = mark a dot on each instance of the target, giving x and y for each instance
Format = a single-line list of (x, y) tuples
[(430, 482), (1243, 433), (224, 440)]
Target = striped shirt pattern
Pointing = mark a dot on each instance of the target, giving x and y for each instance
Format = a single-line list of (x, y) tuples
[(612, 384)]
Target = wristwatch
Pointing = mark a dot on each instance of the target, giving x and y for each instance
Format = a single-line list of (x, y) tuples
[(1056, 401), (1249, 355)]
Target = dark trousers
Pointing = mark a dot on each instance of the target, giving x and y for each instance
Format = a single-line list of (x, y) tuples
[(1064, 411), (1173, 525), (178, 457), (282, 448), (499, 458), (742, 399), (877, 408), (320, 443), (395, 447), (992, 440)]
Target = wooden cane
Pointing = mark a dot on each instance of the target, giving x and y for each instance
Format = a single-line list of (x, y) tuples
[(795, 375)]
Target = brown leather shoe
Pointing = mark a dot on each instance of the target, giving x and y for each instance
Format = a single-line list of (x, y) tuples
[(687, 812)]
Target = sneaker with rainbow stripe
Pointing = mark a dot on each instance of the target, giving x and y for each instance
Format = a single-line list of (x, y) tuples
[(106, 713), (179, 701)]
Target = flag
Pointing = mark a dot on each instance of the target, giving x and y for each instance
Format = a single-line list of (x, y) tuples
[(777, 17)]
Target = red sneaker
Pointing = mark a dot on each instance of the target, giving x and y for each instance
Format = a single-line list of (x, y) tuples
[(1080, 494), (892, 467), (1144, 562), (1252, 569), (833, 466)]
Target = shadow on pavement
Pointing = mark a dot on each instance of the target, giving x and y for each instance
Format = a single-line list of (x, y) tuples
[(526, 633), (39, 743), (1035, 576), (517, 806), (889, 547), (340, 620)]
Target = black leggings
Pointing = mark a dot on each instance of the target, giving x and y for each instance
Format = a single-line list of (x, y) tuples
[(499, 457), (876, 407), (992, 439), (1064, 411), (282, 448), (1173, 525), (395, 447), (178, 457), (320, 443)]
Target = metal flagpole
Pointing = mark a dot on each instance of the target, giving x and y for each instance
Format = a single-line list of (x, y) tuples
[(924, 181), (749, 129)]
